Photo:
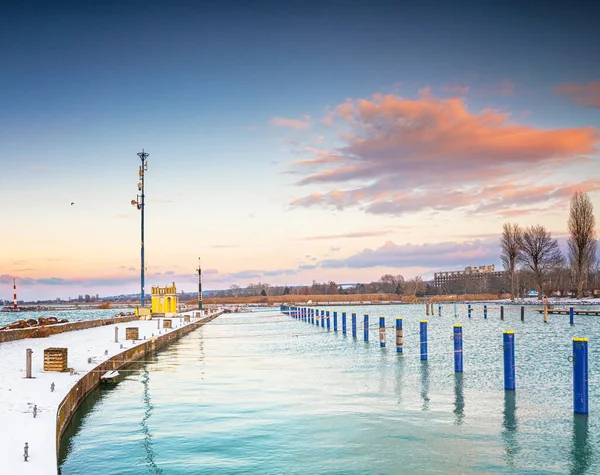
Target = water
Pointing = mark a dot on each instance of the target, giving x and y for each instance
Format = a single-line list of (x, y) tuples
[(264, 393), (71, 315)]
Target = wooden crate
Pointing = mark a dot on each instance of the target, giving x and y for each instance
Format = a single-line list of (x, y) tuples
[(167, 323), (132, 333), (55, 359), (186, 318)]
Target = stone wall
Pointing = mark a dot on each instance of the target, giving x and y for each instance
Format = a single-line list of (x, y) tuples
[(43, 331)]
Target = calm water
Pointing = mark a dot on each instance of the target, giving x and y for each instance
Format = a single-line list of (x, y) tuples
[(265, 393), (71, 315)]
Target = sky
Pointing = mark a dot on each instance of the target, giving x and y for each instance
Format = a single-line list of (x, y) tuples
[(288, 141)]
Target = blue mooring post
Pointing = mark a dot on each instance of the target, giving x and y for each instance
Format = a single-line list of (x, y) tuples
[(353, 325), (344, 323), (485, 311), (571, 315), (381, 332), (423, 333), (522, 313), (334, 321), (322, 318), (311, 316), (328, 321), (458, 349), (501, 312), (509, 360), (580, 375), (440, 309), (469, 310), (399, 335), (366, 327)]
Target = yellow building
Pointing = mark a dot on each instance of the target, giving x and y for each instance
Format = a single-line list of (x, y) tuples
[(164, 300)]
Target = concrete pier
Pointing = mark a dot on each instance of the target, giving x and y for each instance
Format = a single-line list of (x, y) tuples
[(54, 396)]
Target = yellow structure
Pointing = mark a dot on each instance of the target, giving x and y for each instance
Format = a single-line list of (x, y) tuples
[(164, 300)]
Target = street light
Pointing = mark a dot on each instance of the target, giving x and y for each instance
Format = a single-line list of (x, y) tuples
[(139, 203)]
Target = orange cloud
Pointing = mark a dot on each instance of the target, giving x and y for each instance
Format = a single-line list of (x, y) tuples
[(586, 94), (297, 124), (433, 153)]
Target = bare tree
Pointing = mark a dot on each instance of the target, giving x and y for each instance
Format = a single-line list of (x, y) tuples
[(582, 239), (539, 254), (511, 243)]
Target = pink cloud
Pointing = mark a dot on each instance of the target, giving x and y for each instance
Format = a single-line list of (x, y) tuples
[(297, 124), (586, 94), (456, 89), (501, 88), (405, 155)]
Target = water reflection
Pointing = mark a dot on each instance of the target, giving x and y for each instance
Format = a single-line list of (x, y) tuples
[(459, 399), (509, 434), (581, 453), (399, 370), (147, 441), (425, 384)]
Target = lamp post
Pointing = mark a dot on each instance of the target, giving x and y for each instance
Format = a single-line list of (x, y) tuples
[(139, 202), (199, 285)]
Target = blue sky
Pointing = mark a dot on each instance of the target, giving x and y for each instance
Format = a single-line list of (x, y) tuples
[(228, 96)]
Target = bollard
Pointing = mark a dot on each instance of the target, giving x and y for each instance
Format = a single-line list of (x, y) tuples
[(344, 323), (440, 310), (501, 312), (399, 335), (26, 451), (545, 313), (328, 321), (522, 313), (381, 332), (485, 311), (580, 375), (509, 360), (469, 310), (458, 349), (334, 321), (158, 323), (116, 334), (353, 325), (423, 333), (427, 308), (571, 315), (28, 353), (366, 327)]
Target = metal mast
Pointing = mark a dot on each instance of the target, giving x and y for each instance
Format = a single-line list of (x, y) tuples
[(139, 202), (199, 285)]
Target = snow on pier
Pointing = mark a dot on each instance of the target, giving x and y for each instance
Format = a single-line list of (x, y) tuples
[(28, 407)]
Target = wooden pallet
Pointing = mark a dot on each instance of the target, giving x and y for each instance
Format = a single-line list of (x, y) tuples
[(132, 333), (167, 323), (55, 359)]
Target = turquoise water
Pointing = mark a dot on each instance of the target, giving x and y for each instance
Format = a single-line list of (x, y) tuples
[(268, 394), (71, 315)]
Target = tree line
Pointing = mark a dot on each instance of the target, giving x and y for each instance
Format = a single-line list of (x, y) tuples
[(387, 284), (532, 258)]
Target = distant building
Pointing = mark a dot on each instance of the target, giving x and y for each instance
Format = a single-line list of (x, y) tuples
[(473, 278)]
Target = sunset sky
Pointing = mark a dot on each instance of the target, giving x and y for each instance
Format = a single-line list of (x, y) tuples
[(288, 141)]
